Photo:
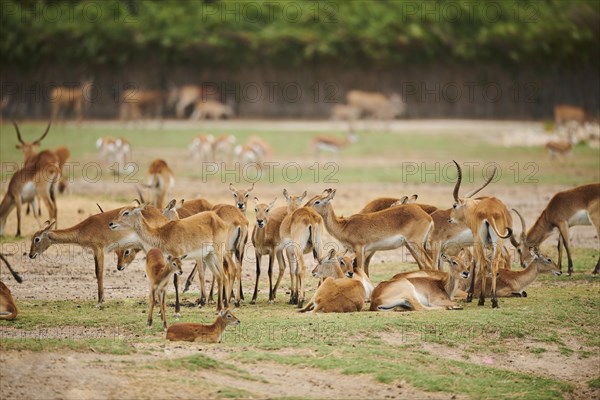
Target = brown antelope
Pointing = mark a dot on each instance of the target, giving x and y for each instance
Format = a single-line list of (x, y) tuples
[(344, 112), (382, 203), (300, 231), (266, 241), (190, 332), (93, 233), (490, 223), (160, 180), (183, 97), (211, 109), (255, 150), (136, 103), (565, 113), (578, 206), (240, 197), (70, 98), (562, 148), (332, 144), (405, 225), (415, 291), (514, 283), (340, 291), (8, 307), (159, 272), (38, 177), (222, 148), (202, 237), (201, 148), (376, 105), (114, 150)]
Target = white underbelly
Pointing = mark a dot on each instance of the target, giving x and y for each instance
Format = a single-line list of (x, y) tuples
[(28, 192), (389, 243), (581, 217), (463, 238), (200, 252)]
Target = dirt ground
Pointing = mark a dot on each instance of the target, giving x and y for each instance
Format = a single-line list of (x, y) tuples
[(67, 273)]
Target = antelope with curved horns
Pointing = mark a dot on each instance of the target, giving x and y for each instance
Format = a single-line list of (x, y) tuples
[(577, 206), (202, 237), (406, 225), (300, 233), (160, 180), (240, 197), (8, 307), (487, 217), (93, 233)]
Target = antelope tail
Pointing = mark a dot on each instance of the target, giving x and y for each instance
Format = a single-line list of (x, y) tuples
[(492, 223)]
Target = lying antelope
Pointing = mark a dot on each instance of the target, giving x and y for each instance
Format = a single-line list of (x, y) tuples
[(382, 203), (159, 272), (405, 225), (414, 291), (490, 223), (578, 206), (240, 197), (8, 307), (340, 291), (332, 144), (201, 148), (266, 240), (514, 283), (160, 180), (189, 332), (300, 231), (202, 237), (93, 233)]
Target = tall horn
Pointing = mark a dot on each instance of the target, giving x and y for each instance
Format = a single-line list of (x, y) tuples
[(141, 201), (100, 208), (18, 132), (13, 273), (474, 192), (523, 227), (43, 134), (458, 180)]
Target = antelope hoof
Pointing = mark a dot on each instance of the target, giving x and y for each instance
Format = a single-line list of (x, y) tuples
[(481, 302), (236, 303), (253, 301), (494, 303), (524, 294), (271, 301), (300, 303), (469, 298), (99, 305)]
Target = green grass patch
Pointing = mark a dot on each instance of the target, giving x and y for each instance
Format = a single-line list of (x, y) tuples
[(101, 345)]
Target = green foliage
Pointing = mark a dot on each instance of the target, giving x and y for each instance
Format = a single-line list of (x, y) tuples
[(288, 33)]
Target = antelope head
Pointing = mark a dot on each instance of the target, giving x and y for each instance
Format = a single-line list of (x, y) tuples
[(262, 212), (461, 204), (28, 148), (240, 197), (40, 240)]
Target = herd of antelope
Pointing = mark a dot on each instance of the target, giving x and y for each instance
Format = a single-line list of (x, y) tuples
[(472, 238)]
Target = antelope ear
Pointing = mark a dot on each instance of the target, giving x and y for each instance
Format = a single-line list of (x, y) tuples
[(402, 200), (332, 194), (533, 251), (169, 257), (413, 198), (271, 204), (445, 257), (251, 189), (255, 201), (286, 195), (231, 187), (222, 313), (171, 204), (331, 254), (183, 257), (303, 196), (49, 225)]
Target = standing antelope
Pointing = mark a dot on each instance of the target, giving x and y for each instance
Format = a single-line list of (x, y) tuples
[(562, 148), (70, 98), (8, 307), (331, 143), (135, 103), (300, 232), (565, 113), (202, 237), (160, 180), (37, 178), (240, 197), (201, 148), (577, 206), (405, 225), (159, 272), (93, 233), (418, 292), (114, 150), (514, 283), (490, 223), (183, 97), (340, 291), (266, 241), (189, 332)]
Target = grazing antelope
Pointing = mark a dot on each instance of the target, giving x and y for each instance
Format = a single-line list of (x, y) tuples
[(405, 225), (190, 332), (201, 148), (514, 283), (183, 97), (38, 177), (577, 206), (340, 291), (159, 272), (266, 241), (382, 203), (160, 180), (565, 113), (136, 103), (421, 293), (331, 143), (490, 223), (114, 150), (70, 98), (93, 233), (300, 233), (202, 237), (211, 109), (562, 148), (240, 197), (8, 307), (222, 148)]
